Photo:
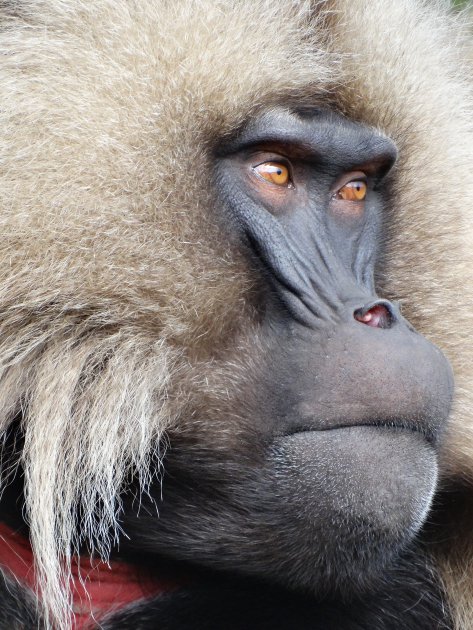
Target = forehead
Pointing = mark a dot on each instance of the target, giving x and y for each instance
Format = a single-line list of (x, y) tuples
[(315, 133)]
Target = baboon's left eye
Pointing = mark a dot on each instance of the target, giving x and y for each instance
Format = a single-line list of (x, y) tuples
[(353, 191), (274, 172)]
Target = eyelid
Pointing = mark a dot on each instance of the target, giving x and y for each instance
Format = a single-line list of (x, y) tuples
[(271, 157)]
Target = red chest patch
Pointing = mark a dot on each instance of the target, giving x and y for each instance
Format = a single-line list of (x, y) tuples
[(98, 588)]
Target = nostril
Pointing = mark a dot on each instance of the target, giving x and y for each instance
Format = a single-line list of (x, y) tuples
[(377, 315)]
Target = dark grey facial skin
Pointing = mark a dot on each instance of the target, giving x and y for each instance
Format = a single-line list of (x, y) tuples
[(345, 417)]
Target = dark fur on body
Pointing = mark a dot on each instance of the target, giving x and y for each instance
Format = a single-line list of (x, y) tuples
[(18, 606), (408, 597)]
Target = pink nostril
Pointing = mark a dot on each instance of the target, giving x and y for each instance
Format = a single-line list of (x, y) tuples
[(378, 316)]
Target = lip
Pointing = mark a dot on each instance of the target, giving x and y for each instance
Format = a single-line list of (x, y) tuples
[(397, 425)]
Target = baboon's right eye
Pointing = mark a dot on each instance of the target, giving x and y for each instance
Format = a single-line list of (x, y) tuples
[(274, 172)]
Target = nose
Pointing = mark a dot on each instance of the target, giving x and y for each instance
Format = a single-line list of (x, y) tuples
[(378, 314)]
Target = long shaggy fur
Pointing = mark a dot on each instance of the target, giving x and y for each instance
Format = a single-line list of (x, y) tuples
[(119, 297)]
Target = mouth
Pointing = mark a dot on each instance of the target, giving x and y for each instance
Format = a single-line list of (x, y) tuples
[(396, 425)]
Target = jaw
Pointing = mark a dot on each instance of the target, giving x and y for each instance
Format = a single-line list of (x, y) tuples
[(324, 511)]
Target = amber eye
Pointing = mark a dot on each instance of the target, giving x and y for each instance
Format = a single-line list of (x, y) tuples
[(353, 191), (274, 172)]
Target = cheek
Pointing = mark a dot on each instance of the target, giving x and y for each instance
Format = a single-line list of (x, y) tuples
[(351, 211)]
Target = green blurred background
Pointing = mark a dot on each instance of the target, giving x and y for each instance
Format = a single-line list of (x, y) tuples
[(461, 4)]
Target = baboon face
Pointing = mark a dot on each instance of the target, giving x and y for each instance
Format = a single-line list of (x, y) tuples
[(322, 466)]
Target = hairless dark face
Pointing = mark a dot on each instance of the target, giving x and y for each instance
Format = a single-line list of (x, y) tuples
[(349, 403), (308, 195)]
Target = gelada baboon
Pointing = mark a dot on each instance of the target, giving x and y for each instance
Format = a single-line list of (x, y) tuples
[(212, 215)]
